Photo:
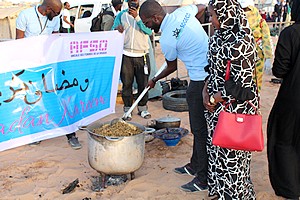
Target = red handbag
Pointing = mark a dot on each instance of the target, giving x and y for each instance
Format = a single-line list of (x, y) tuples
[(238, 131)]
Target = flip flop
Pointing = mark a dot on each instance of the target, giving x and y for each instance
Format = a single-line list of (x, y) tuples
[(145, 114)]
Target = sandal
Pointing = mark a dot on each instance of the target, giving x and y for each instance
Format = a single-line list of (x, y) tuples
[(129, 118), (145, 114)]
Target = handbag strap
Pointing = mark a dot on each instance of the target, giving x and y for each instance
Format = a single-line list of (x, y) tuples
[(227, 75), (257, 87)]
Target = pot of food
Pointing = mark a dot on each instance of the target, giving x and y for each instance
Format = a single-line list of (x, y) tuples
[(115, 149), (165, 122)]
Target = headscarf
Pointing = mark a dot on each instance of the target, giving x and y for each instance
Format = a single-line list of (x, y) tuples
[(234, 31), (233, 41)]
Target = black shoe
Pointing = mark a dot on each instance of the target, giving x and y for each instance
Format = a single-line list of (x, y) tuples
[(33, 144), (74, 143), (194, 186), (276, 80), (186, 169)]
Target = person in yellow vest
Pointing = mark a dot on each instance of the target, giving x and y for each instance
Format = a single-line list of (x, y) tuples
[(261, 33)]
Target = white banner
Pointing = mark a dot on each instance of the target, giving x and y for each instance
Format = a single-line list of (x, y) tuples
[(51, 85)]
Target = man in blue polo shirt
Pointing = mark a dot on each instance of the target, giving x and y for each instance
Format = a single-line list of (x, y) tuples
[(182, 37)]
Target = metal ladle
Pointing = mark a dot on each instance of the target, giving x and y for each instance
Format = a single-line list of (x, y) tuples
[(125, 116)]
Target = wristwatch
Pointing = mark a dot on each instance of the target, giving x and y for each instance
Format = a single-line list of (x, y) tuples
[(153, 79), (212, 99)]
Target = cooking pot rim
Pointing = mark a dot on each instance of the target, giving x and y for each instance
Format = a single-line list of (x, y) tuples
[(168, 119), (88, 129)]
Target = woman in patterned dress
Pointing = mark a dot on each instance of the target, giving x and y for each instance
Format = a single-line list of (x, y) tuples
[(229, 170)]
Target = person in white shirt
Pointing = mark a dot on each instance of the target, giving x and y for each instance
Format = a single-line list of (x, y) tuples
[(39, 20), (66, 21), (42, 20)]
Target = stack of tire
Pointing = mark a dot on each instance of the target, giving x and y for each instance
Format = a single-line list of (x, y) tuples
[(175, 99)]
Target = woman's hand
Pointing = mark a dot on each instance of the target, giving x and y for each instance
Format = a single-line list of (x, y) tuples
[(218, 97), (210, 107)]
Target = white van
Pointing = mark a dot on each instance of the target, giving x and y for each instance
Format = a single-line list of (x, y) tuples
[(82, 13)]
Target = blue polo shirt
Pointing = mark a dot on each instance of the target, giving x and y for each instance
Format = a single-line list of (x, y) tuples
[(183, 37)]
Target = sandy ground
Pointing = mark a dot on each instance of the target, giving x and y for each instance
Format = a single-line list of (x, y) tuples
[(42, 172)]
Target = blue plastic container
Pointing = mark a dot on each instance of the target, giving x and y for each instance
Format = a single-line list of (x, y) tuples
[(171, 142)]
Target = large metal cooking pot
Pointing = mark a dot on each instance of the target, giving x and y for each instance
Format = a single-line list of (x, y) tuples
[(115, 155), (165, 122)]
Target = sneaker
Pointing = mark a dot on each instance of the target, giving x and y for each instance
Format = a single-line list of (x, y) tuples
[(145, 114), (194, 186), (186, 169), (33, 144), (74, 143)]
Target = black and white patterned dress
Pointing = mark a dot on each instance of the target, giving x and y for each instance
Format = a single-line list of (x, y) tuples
[(229, 170)]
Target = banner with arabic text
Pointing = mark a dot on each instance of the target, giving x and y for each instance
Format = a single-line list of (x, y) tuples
[(51, 85)]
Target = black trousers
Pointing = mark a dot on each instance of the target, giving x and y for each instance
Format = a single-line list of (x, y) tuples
[(133, 67), (65, 30), (70, 135), (198, 124)]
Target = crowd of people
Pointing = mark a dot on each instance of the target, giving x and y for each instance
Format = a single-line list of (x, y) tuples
[(242, 38), (281, 12)]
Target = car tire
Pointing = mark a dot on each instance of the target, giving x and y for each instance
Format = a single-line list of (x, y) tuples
[(175, 101)]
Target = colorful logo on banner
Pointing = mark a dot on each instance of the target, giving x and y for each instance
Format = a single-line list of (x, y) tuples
[(88, 47)]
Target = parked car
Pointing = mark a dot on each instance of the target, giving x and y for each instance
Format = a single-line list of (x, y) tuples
[(83, 12)]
